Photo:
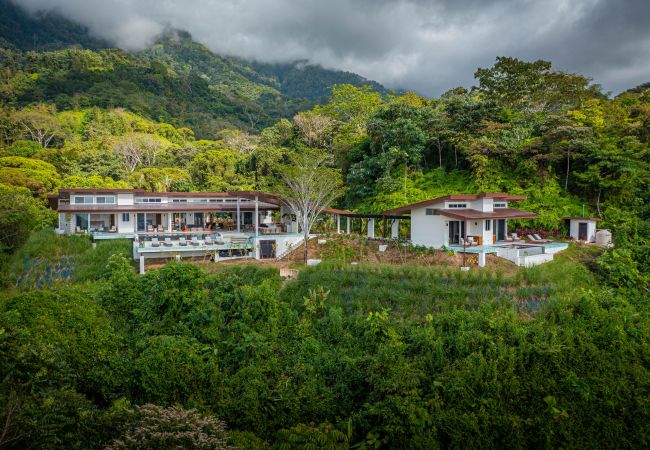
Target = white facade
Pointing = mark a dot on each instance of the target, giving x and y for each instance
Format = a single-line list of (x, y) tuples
[(429, 228), (583, 229)]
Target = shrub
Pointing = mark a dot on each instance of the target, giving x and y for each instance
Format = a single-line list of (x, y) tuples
[(173, 428)]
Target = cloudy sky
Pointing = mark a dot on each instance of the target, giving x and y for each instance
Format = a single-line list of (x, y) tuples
[(427, 46)]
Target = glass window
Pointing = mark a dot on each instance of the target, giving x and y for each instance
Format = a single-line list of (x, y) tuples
[(83, 199), (458, 205), (126, 217), (180, 200), (501, 205), (82, 221), (487, 225), (105, 199), (431, 212)]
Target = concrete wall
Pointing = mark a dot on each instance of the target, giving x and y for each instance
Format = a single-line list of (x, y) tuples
[(126, 227), (574, 228), (282, 243), (124, 198), (429, 231)]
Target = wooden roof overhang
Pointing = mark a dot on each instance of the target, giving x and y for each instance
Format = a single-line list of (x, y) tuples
[(500, 213)]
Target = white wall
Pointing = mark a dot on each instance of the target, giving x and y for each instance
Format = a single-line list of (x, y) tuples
[(485, 204), (574, 229), (124, 198), (126, 227), (429, 231)]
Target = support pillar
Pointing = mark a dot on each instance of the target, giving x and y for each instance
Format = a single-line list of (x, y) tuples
[(338, 224), (256, 222), (394, 229), (371, 228), (481, 259), (169, 221), (141, 264), (238, 217), (347, 219)]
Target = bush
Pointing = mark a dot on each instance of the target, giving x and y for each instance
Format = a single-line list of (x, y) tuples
[(173, 428)]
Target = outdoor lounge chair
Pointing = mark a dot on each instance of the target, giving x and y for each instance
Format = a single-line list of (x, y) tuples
[(208, 240), (195, 241), (113, 229), (149, 229), (182, 242), (539, 239), (168, 242), (160, 228), (155, 242)]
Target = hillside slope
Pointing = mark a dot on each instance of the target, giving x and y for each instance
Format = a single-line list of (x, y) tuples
[(176, 80)]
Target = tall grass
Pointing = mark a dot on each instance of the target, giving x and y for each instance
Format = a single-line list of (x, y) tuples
[(415, 291), (47, 246)]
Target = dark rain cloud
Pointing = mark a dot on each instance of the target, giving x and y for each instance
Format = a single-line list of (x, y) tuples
[(424, 45)]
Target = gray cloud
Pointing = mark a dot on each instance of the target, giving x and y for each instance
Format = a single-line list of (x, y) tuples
[(427, 46)]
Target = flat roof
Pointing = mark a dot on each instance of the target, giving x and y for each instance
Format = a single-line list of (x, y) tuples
[(458, 197), (262, 196), (589, 219), (166, 207)]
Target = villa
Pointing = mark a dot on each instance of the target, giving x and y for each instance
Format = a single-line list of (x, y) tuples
[(475, 223), (218, 225)]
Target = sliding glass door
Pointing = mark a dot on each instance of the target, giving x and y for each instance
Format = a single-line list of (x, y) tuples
[(456, 231)]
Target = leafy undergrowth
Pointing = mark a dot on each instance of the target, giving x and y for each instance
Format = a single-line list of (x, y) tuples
[(416, 291), (46, 249)]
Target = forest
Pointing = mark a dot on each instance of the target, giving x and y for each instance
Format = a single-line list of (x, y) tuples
[(367, 356)]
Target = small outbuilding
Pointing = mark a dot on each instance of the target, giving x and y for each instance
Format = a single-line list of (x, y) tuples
[(582, 228)]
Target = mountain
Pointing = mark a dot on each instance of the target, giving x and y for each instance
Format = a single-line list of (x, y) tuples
[(43, 31), (177, 80), (297, 79), (301, 79)]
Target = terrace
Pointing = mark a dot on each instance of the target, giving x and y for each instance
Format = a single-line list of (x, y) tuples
[(521, 253)]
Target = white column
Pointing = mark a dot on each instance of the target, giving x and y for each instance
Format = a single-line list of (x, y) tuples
[(347, 219), (338, 224), (257, 217), (238, 217), (394, 229), (481, 259), (169, 221), (371, 228), (141, 264)]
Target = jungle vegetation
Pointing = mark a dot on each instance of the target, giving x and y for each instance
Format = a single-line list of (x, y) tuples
[(367, 356)]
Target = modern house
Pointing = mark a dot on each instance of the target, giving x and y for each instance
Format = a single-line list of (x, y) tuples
[(474, 223), (176, 224)]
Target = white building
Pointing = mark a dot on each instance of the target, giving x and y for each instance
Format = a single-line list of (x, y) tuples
[(447, 221), (176, 224), (475, 224), (583, 228)]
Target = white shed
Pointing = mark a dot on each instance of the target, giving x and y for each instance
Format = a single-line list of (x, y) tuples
[(583, 228)]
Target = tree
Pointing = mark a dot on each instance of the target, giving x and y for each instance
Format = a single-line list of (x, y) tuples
[(172, 428), (159, 180), (310, 186), (40, 123), (316, 129), (532, 86), (139, 149), (18, 216)]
